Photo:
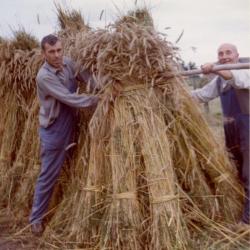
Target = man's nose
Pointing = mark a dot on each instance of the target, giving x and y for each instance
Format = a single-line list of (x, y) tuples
[(225, 56)]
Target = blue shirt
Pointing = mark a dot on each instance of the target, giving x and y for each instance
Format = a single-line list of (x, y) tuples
[(56, 86)]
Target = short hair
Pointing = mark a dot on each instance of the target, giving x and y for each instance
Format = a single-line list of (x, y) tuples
[(50, 39)]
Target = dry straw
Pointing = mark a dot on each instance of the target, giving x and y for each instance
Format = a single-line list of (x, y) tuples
[(19, 63), (156, 177), (147, 173)]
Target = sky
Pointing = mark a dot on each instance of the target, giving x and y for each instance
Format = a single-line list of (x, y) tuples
[(206, 24)]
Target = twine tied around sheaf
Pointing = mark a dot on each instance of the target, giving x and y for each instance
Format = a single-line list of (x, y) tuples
[(125, 195), (164, 198), (92, 189), (222, 177)]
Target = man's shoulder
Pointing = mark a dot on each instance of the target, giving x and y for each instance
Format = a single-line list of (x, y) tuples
[(43, 73)]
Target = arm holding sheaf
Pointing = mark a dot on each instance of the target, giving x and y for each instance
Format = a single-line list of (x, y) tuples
[(51, 86)]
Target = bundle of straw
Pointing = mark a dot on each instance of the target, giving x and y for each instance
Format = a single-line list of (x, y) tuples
[(147, 173), (19, 62), (156, 174), (23, 40)]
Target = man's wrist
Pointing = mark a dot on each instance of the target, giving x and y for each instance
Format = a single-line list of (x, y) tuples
[(225, 74)]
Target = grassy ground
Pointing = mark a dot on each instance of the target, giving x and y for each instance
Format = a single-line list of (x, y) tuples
[(16, 235), (12, 237)]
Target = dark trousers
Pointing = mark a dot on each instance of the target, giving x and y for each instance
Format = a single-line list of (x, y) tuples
[(237, 142), (245, 180), (244, 123), (54, 141)]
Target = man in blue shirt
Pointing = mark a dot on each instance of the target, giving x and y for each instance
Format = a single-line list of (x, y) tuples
[(56, 89)]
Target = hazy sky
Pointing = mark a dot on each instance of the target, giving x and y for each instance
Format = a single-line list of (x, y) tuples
[(206, 24)]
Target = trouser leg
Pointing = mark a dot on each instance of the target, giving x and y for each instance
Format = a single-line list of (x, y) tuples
[(232, 138), (246, 183), (52, 161), (244, 125), (237, 157)]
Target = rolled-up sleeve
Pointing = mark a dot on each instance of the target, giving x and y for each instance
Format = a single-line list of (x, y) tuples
[(241, 79), (53, 87), (207, 93)]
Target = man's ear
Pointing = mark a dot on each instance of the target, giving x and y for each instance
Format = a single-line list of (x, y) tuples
[(43, 53)]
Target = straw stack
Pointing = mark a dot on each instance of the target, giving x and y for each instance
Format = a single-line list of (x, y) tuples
[(147, 173), (19, 63), (156, 175)]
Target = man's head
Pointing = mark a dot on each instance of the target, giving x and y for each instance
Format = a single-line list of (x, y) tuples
[(52, 51), (227, 53)]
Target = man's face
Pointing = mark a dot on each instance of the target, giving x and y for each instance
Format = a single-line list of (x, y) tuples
[(227, 53), (53, 54)]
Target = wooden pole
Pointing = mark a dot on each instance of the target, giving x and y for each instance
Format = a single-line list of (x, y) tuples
[(217, 68)]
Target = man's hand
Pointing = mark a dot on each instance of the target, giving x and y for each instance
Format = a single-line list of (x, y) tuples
[(207, 68)]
